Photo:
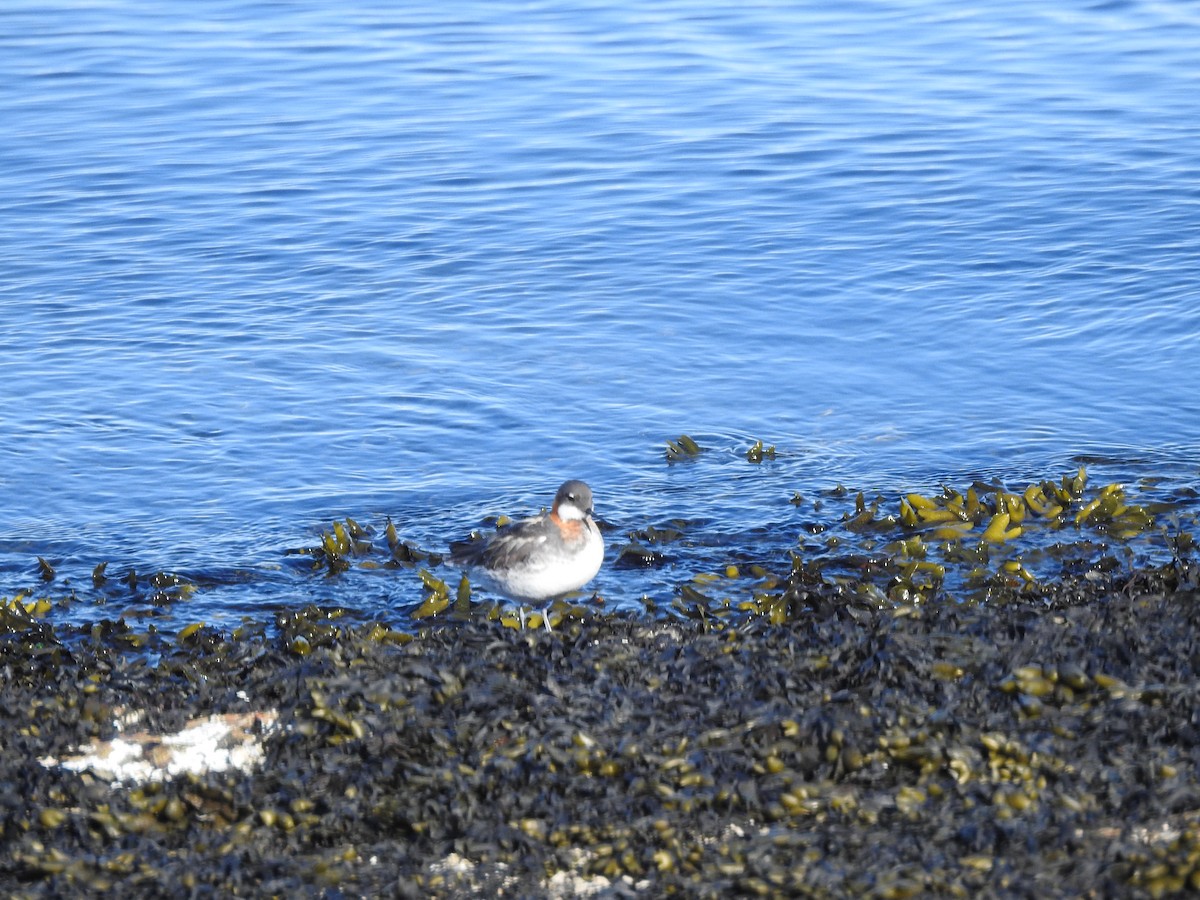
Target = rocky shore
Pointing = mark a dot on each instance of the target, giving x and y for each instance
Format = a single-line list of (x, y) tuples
[(1034, 748)]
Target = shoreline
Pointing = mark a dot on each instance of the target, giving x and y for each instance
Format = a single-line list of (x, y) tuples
[(1041, 748)]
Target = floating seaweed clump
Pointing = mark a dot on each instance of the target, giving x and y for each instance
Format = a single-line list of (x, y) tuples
[(437, 596), (159, 589), (953, 515), (983, 544), (21, 610), (758, 452), (141, 594), (683, 448), (642, 549), (338, 547), (348, 542)]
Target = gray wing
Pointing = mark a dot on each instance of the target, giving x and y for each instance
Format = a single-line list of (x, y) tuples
[(510, 546)]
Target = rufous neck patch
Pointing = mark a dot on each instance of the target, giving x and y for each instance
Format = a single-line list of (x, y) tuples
[(570, 529)]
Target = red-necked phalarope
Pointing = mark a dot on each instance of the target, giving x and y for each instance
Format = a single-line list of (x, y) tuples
[(543, 557)]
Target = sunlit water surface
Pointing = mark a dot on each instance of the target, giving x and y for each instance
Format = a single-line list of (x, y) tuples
[(263, 267)]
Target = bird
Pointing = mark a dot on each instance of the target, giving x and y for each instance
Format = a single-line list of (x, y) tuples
[(540, 558)]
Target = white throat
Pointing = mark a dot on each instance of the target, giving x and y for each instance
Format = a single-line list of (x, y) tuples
[(569, 512)]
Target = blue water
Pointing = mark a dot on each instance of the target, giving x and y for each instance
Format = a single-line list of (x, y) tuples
[(263, 266)]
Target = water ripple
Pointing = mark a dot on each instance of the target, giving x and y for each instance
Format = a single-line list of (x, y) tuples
[(268, 266)]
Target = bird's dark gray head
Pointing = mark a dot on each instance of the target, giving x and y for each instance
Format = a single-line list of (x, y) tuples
[(573, 500)]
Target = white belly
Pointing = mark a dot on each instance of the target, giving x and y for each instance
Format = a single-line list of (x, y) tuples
[(554, 576)]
